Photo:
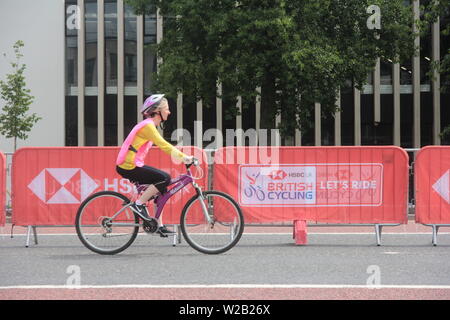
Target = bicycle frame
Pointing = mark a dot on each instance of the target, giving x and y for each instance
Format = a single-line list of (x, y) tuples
[(180, 182), (161, 199)]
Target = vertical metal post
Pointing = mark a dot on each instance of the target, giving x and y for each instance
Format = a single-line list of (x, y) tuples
[(416, 80), (396, 94), (81, 79), (159, 36), (180, 118), (357, 127), (298, 135), (277, 138), (198, 130), (120, 69), (376, 93), (101, 72), (219, 124), (337, 121), (140, 64), (239, 136), (435, 34), (317, 124), (258, 114)]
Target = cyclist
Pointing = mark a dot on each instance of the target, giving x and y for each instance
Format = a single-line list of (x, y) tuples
[(130, 161)]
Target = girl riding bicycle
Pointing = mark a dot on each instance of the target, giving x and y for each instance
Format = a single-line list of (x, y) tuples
[(130, 161)]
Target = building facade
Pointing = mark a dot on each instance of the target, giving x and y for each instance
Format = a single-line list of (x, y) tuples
[(102, 58)]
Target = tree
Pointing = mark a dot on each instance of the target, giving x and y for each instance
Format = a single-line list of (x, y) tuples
[(14, 122), (298, 52), (433, 10)]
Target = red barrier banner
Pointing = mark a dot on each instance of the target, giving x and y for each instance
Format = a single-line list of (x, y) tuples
[(432, 184), (49, 184), (2, 189), (322, 184)]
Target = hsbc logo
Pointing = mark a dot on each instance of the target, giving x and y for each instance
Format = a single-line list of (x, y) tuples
[(277, 175), (62, 185)]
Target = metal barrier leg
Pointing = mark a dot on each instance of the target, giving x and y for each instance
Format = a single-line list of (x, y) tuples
[(35, 235), (174, 240), (378, 229), (435, 232), (179, 233), (27, 243), (29, 229)]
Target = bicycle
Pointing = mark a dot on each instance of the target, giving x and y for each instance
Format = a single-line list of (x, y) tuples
[(211, 221)]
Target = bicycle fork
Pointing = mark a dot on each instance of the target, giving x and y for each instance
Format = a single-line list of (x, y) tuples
[(203, 205)]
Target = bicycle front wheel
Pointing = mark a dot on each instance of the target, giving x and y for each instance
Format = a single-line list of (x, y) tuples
[(213, 224), (105, 224)]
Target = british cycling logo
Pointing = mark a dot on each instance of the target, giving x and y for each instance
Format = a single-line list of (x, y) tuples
[(322, 184), (267, 185), (62, 185)]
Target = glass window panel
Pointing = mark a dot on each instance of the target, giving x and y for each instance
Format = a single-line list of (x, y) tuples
[(130, 114), (327, 129), (150, 62), (426, 118), (91, 43), (110, 116), (347, 115), (367, 126), (308, 134), (71, 47), (406, 120), (111, 120), (130, 63), (385, 72), (111, 43), (248, 118), (189, 116), (71, 80), (71, 120), (90, 120)]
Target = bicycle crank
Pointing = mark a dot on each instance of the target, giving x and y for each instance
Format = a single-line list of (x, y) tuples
[(150, 226)]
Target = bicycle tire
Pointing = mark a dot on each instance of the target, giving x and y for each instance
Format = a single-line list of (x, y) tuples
[(191, 239), (84, 238)]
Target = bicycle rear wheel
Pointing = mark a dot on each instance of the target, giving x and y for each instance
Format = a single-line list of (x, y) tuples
[(105, 224), (224, 229)]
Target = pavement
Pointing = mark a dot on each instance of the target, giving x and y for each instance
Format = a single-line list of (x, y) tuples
[(336, 263)]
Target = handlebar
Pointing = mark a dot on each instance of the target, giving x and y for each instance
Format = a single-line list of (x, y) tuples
[(194, 162)]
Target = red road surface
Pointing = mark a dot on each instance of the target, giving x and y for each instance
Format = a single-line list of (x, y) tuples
[(226, 294)]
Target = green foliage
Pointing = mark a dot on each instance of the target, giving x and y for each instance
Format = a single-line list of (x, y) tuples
[(298, 52), (432, 10), (14, 122)]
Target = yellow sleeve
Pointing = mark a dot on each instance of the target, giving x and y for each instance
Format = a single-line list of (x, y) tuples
[(153, 135)]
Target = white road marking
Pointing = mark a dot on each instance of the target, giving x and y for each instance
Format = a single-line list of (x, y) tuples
[(229, 286)]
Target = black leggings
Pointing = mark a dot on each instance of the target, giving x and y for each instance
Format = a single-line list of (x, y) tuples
[(147, 175)]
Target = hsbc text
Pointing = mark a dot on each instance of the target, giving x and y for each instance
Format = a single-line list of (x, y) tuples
[(118, 185)]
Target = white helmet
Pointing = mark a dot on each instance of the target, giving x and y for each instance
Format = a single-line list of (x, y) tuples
[(151, 103)]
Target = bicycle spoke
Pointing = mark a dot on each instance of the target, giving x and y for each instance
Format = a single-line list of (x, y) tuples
[(104, 224), (216, 230)]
